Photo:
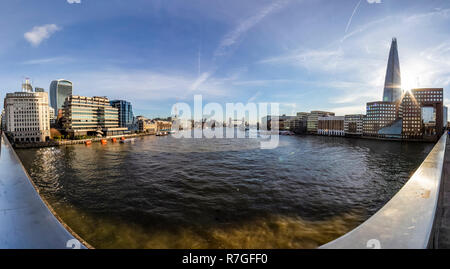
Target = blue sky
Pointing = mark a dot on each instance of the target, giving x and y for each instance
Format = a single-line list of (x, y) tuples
[(306, 55)]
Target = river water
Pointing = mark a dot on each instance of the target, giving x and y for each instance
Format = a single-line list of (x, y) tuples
[(164, 192)]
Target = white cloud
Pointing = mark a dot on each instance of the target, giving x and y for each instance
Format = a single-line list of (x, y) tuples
[(374, 1), (232, 37), (47, 60), (40, 33), (229, 41), (74, 1)]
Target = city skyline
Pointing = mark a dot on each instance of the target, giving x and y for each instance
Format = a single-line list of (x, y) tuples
[(242, 52)]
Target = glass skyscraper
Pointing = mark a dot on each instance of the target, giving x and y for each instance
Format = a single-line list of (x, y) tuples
[(125, 112), (393, 83), (59, 91)]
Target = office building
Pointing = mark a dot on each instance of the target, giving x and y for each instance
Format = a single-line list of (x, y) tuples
[(26, 116), (392, 85), (59, 91), (353, 124), (276, 122), (298, 124), (146, 125), (52, 117), (379, 115), (125, 113), (423, 113), (313, 119), (90, 116), (331, 125)]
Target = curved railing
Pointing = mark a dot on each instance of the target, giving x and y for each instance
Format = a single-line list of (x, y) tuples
[(407, 220), (25, 219)]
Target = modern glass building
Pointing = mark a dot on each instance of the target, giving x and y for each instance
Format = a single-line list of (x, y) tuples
[(393, 83), (125, 112), (59, 90), (90, 116)]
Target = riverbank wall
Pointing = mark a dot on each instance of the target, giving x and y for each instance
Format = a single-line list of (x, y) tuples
[(56, 143)]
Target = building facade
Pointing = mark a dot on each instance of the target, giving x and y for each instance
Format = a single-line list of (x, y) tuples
[(379, 115), (51, 113), (423, 113), (90, 116), (277, 122), (313, 120), (298, 124), (353, 124), (146, 125), (59, 91), (27, 116), (125, 112), (3, 120), (331, 125)]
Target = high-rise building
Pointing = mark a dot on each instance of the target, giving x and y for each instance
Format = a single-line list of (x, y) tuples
[(26, 115), (125, 112), (331, 125), (313, 119), (392, 85), (59, 90), (90, 116), (423, 113), (353, 124)]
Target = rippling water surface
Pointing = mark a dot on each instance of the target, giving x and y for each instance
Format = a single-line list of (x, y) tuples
[(163, 192)]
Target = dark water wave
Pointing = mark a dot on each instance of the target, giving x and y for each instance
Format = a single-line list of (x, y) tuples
[(162, 192)]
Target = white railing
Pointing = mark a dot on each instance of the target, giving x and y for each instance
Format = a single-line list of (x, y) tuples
[(26, 220), (407, 220)]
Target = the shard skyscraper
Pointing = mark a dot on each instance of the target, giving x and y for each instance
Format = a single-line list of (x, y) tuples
[(393, 83)]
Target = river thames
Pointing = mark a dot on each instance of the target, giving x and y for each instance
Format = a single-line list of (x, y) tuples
[(164, 192)]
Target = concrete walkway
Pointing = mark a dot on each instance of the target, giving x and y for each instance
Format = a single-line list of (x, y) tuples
[(25, 220)]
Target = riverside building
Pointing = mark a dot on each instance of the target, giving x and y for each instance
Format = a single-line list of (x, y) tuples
[(331, 125), (299, 124), (423, 113), (26, 117), (379, 115), (90, 116), (274, 122), (353, 124), (125, 112), (146, 125), (313, 120)]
